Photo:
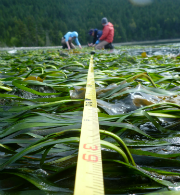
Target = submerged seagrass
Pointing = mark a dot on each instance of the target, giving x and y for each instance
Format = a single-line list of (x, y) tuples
[(41, 104)]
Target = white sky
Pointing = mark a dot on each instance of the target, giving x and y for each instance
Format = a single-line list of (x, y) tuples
[(141, 2)]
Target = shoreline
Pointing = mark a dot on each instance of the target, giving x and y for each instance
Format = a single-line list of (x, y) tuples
[(161, 41)]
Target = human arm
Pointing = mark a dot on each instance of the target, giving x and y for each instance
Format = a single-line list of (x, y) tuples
[(67, 43), (94, 39), (90, 44), (77, 42), (95, 36), (97, 42), (67, 35), (93, 45)]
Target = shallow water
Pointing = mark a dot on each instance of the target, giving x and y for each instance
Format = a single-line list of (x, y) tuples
[(126, 105), (155, 51)]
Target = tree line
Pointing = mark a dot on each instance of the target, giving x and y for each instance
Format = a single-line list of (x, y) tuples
[(44, 22)]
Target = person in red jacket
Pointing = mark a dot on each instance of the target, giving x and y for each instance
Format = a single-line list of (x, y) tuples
[(107, 34)]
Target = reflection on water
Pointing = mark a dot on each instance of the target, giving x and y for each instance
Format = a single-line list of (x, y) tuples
[(153, 51)]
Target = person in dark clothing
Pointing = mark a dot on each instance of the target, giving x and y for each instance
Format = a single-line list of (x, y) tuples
[(96, 35)]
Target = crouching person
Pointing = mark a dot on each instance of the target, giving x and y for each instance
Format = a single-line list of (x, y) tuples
[(96, 34), (107, 35), (68, 38)]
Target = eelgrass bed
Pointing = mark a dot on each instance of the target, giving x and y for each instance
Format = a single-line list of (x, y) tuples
[(41, 104)]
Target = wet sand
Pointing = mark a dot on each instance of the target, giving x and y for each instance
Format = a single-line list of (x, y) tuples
[(162, 41)]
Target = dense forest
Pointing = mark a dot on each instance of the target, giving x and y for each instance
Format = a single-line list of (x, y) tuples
[(44, 22)]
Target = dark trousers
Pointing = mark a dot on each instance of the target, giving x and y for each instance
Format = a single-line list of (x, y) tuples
[(64, 45), (109, 46)]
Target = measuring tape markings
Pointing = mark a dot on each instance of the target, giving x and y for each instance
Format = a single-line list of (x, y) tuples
[(89, 176)]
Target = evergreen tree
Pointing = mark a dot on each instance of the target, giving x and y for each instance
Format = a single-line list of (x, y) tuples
[(42, 22)]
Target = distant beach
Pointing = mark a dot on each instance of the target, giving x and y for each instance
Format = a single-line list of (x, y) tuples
[(148, 42), (165, 41)]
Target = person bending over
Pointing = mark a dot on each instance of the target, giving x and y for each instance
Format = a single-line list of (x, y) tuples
[(68, 38), (96, 35), (107, 34)]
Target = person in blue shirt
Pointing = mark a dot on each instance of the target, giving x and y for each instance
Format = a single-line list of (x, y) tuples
[(96, 35), (68, 38)]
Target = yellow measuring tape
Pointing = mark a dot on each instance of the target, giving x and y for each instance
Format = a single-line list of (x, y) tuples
[(89, 176)]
